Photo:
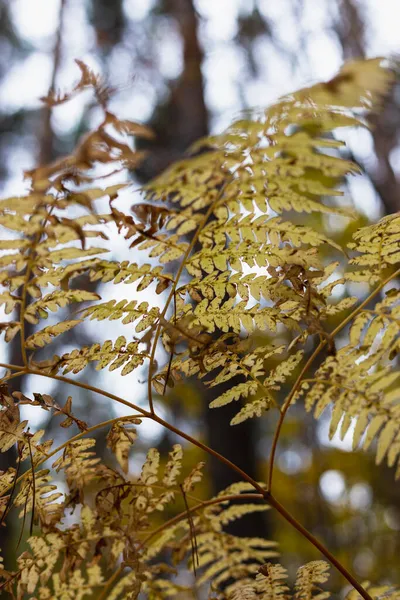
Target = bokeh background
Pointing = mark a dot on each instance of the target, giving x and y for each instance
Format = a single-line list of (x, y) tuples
[(187, 68)]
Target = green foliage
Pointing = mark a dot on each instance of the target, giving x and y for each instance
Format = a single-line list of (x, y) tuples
[(228, 214)]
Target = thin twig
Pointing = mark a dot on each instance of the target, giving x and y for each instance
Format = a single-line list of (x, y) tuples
[(12, 367), (285, 408), (199, 506), (33, 484), (267, 496), (322, 344), (192, 530), (12, 376), (173, 290), (109, 582)]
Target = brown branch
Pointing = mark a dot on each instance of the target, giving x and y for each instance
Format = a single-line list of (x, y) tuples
[(284, 410), (199, 506), (173, 290), (266, 495), (316, 352)]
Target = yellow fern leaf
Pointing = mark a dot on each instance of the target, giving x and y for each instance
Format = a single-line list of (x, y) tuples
[(271, 582), (52, 302), (45, 336), (309, 577)]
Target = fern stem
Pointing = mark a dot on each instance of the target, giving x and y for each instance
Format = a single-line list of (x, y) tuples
[(173, 291), (364, 303), (285, 408), (266, 494), (12, 376), (69, 441), (12, 367), (22, 315), (109, 582), (199, 506), (291, 519), (90, 388), (299, 380), (28, 273)]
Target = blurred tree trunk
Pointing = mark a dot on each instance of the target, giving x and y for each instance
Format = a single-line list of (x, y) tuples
[(183, 117), (351, 30)]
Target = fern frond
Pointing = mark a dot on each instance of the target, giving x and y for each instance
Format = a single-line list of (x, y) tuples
[(271, 582), (78, 462), (251, 366), (378, 592), (125, 272), (44, 336), (225, 557), (148, 477), (120, 439), (11, 429), (256, 408), (241, 390), (234, 512), (6, 479), (381, 323), (242, 591), (194, 477), (361, 384), (362, 390), (43, 501), (40, 562), (10, 329), (112, 355), (173, 466), (379, 249), (309, 577), (52, 302), (9, 301), (129, 311)]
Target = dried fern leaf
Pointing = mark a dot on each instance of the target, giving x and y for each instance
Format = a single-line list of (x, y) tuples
[(120, 440), (271, 582), (309, 577), (45, 336)]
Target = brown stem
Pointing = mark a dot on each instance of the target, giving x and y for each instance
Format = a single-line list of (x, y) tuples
[(173, 290), (90, 388), (284, 410), (368, 299), (109, 582), (323, 343), (290, 519), (199, 506), (12, 367), (267, 495)]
